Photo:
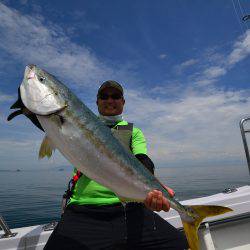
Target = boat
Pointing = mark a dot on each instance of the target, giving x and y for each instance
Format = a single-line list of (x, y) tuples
[(227, 231)]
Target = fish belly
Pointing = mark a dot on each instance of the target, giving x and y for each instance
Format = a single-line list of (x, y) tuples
[(94, 162)]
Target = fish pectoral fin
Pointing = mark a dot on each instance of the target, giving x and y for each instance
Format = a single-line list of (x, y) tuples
[(18, 103), (29, 115), (46, 148), (23, 110), (14, 114), (201, 212), (34, 120)]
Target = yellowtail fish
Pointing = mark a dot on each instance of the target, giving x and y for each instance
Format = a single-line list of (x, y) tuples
[(73, 129)]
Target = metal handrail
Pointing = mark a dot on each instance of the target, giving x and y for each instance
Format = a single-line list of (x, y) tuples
[(234, 218), (7, 232), (243, 134)]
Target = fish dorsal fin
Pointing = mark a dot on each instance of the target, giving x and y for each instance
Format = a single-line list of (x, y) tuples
[(46, 148)]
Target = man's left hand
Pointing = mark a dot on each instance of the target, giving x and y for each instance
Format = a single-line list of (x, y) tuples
[(157, 202)]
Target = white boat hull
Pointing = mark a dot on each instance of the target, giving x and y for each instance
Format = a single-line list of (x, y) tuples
[(228, 231)]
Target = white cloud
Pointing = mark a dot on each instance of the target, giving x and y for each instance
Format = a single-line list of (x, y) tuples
[(28, 39), (214, 72), (162, 56), (197, 128), (210, 75), (204, 82), (6, 98), (189, 63), (241, 49), (185, 64), (194, 127), (214, 65)]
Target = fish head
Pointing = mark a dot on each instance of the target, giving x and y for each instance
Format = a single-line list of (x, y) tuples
[(40, 92)]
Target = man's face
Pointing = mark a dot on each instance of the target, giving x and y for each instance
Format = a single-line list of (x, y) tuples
[(110, 102)]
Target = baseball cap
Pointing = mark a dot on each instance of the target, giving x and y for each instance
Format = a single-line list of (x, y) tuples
[(110, 84)]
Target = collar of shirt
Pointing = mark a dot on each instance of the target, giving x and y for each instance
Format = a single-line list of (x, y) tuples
[(111, 120)]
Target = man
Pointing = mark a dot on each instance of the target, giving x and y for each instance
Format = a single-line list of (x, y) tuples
[(95, 218)]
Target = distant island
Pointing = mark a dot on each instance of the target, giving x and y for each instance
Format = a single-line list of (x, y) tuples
[(59, 168), (10, 170)]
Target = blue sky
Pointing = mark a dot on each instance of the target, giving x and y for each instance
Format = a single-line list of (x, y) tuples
[(184, 66)]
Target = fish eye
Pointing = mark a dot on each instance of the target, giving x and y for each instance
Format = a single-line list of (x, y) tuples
[(41, 78)]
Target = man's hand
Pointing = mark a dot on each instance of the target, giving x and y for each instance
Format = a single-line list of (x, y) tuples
[(157, 202)]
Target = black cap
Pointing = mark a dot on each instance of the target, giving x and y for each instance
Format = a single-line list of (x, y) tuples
[(110, 84)]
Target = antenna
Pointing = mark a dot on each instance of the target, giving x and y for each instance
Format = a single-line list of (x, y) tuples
[(245, 18), (241, 15)]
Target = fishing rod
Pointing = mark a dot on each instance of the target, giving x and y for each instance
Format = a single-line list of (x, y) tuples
[(245, 18), (241, 14)]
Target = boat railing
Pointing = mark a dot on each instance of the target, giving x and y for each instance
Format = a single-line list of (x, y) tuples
[(244, 131), (6, 229)]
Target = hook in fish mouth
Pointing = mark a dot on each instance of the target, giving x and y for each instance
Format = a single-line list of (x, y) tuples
[(23, 110)]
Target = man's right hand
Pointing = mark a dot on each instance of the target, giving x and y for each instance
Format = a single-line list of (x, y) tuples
[(157, 202)]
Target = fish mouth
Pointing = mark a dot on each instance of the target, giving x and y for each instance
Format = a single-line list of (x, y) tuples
[(29, 71), (30, 74), (38, 94)]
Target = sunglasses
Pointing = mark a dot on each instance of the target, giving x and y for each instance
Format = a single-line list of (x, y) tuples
[(106, 96)]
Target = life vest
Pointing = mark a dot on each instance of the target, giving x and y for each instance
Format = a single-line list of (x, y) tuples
[(124, 134)]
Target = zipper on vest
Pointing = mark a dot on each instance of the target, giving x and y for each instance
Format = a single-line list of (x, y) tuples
[(125, 221), (154, 224)]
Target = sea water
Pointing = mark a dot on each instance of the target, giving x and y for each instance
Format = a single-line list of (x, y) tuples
[(34, 197)]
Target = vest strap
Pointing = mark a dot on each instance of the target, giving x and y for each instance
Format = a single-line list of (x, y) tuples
[(71, 185), (128, 127)]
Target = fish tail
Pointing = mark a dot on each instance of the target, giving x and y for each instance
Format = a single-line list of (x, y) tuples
[(201, 211)]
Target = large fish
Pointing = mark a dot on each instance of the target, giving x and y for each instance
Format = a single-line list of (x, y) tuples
[(88, 144)]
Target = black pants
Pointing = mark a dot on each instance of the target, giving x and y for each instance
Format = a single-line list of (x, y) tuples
[(113, 227)]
